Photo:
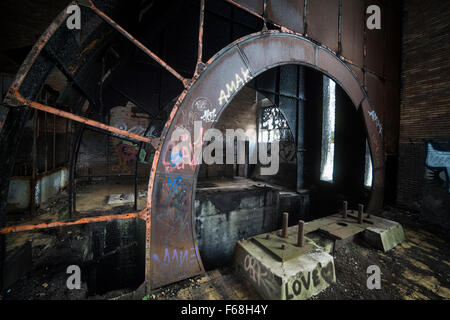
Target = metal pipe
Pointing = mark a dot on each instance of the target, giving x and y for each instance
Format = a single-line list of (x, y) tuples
[(69, 223), (200, 35)]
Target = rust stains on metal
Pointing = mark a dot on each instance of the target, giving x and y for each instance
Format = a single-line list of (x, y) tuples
[(37, 48), (33, 227), (136, 42), (240, 6), (20, 100), (200, 66)]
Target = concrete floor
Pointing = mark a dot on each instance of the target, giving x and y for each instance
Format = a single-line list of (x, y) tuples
[(233, 184), (94, 197)]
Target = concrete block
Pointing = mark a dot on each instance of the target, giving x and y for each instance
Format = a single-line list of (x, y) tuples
[(384, 234), (251, 200), (296, 279)]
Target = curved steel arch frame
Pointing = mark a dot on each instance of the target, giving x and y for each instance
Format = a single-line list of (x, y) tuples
[(172, 253)]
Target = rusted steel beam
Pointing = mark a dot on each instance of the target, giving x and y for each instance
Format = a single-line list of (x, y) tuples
[(262, 17), (199, 66), (37, 48), (34, 227), (18, 99), (136, 42), (240, 6)]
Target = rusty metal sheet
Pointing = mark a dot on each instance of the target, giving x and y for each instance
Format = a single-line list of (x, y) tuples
[(375, 91), (174, 252), (338, 70), (375, 42), (272, 48), (359, 73), (352, 30), (393, 42), (375, 138), (322, 22), (212, 94), (288, 13)]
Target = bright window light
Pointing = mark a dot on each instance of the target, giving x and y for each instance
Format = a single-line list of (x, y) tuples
[(368, 168), (328, 129)]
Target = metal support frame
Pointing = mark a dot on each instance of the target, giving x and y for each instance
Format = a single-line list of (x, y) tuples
[(243, 54)]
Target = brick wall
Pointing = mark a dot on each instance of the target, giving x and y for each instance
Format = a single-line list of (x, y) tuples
[(425, 101)]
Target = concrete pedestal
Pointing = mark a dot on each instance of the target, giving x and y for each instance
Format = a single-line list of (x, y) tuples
[(296, 279), (384, 234)]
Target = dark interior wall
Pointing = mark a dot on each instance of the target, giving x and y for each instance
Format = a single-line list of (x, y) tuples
[(241, 113), (313, 126), (350, 150), (284, 87), (425, 111), (101, 155), (349, 159)]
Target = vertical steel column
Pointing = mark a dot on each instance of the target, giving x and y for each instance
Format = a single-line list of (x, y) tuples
[(72, 171), (54, 142), (34, 164), (300, 128)]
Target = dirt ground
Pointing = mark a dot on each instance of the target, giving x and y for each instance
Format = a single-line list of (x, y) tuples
[(419, 268)]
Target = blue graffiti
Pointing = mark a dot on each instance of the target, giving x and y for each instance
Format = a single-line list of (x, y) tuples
[(174, 184), (438, 160), (178, 258), (176, 158)]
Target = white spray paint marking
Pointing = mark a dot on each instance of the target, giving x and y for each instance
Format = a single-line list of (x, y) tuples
[(234, 85)]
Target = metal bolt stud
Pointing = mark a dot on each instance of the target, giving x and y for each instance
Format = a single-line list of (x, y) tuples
[(301, 231), (284, 231), (344, 209), (360, 213)]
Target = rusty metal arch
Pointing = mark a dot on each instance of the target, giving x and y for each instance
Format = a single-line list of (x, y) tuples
[(171, 253)]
